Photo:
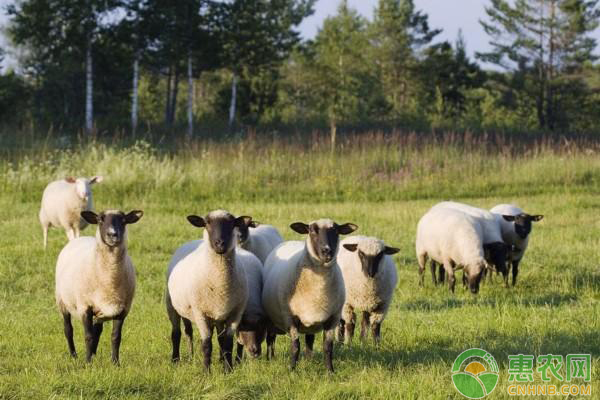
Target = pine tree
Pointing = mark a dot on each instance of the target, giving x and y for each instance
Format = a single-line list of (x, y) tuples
[(544, 40)]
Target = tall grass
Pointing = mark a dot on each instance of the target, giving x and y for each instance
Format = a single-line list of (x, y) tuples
[(371, 166)]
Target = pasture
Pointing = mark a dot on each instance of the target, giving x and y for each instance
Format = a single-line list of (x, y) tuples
[(382, 183)]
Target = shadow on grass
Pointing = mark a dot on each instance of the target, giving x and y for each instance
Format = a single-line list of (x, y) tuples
[(498, 344)]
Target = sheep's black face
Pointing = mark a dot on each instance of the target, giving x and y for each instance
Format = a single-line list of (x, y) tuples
[(370, 263), (523, 223), (251, 337), (496, 254), (324, 237), (473, 280), (221, 228), (245, 232), (112, 224)]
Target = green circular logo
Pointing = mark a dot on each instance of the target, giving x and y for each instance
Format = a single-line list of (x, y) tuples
[(475, 373)]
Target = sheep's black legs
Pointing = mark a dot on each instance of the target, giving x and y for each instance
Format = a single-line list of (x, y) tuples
[(97, 332), (515, 272), (376, 331), (88, 329), (433, 268), (295, 347), (442, 274), (328, 336), (207, 351), (270, 344), (116, 337), (239, 352), (310, 341), (69, 334), (349, 331), (175, 337), (364, 326), (225, 338), (189, 332)]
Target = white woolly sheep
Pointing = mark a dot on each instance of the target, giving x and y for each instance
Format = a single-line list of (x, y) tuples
[(95, 280), (453, 239), (516, 227), (252, 329), (259, 239), (209, 285), (496, 251), (62, 204), (369, 279), (304, 288)]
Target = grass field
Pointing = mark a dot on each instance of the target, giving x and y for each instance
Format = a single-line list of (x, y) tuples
[(383, 185)]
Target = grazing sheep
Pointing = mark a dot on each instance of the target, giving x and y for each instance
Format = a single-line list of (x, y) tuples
[(62, 204), (259, 239), (95, 280), (369, 279), (516, 227), (206, 283), (496, 251), (304, 288), (453, 239)]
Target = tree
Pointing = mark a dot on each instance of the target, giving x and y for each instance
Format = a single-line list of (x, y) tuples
[(397, 34), (545, 40), (61, 35), (258, 36)]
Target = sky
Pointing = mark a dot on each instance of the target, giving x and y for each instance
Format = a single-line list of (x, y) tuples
[(449, 15)]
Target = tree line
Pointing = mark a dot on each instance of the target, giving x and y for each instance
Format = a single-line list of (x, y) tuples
[(195, 64)]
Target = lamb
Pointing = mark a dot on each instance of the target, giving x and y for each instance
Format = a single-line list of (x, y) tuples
[(95, 280), (252, 329), (259, 239), (516, 227), (62, 204), (369, 279), (453, 239), (496, 251), (208, 285), (304, 288)]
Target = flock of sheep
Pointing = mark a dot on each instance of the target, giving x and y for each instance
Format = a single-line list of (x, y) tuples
[(244, 282)]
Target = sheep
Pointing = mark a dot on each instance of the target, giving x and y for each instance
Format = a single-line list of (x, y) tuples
[(259, 239), (252, 329), (369, 279), (496, 251), (95, 280), (304, 288), (208, 285), (62, 203), (453, 239), (516, 227)]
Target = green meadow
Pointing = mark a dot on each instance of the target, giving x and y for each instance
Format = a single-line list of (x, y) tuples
[(382, 183)]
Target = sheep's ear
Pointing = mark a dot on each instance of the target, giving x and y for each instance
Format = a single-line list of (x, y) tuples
[(96, 179), (133, 216), (196, 221), (346, 229), (90, 217), (351, 246), (70, 179), (244, 220), (254, 224), (509, 217), (537, 217), (390, 250), (299, 227)]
